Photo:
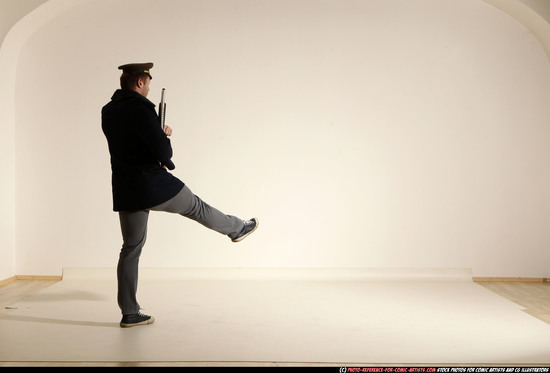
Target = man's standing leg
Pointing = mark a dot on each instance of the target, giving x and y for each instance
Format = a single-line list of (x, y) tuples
[(133, 225)]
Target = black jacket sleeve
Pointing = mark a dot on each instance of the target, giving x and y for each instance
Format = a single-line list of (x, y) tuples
[(149, 130)]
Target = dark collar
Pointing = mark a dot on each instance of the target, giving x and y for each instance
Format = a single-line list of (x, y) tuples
[(125, 94)]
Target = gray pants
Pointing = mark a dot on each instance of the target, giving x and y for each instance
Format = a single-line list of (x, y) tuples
[(133, 225)]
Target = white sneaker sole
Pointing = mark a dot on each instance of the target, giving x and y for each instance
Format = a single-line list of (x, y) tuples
[(249, 233), (146, 322)]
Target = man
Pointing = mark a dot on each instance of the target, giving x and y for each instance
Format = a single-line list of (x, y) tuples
[(140, 156)]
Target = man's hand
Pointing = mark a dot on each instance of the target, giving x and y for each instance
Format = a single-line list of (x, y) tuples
[(167, 131)]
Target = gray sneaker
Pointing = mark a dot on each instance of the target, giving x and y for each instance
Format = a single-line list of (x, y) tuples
[(135, 320), (249, 227)]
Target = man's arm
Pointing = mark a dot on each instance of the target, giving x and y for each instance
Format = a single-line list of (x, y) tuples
[(156, 139)]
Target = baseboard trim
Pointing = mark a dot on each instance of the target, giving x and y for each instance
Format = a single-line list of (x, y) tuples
[(32, 277), (475, 279), (8, 280), (29, 277), (511, 279)]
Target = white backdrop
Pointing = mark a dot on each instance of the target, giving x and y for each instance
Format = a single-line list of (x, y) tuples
[(362, 133)]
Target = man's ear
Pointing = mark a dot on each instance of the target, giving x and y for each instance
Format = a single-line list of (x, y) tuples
[(140, 83)]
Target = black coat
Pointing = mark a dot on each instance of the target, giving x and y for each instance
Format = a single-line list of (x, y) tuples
[(138, 147)]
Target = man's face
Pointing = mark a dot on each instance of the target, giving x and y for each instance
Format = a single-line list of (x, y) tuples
[(144, 86)]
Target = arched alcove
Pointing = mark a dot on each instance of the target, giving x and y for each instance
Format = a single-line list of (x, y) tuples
[(362, 133)]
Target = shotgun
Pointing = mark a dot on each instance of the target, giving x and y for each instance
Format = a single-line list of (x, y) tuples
[(162, 109), (162, 116)]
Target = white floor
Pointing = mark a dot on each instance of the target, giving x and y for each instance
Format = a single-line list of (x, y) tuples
[(271, 316)]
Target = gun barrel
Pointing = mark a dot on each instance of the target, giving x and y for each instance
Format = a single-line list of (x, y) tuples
[(162, 108)]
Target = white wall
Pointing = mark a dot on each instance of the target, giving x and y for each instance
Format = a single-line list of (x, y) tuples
[(367, 133), (542, 7), (11, 12), (16, 25)]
